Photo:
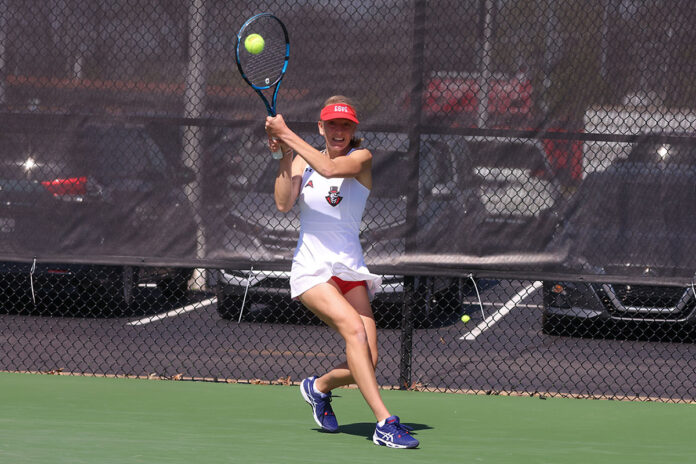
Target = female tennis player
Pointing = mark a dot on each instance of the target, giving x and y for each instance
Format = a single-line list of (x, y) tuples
[(328, 273)]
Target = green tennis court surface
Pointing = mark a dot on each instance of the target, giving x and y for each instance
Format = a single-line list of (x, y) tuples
[(64, 419)]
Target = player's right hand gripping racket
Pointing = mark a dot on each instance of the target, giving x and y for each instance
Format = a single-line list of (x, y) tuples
[(264, 70)]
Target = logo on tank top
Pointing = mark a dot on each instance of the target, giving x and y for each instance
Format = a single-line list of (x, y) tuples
[(309, 184), (333, 197)]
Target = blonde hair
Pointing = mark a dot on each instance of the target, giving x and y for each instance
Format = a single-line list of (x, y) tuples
[(355, 142)]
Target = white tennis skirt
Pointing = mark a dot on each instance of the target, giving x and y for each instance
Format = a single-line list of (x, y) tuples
[(315, 263)]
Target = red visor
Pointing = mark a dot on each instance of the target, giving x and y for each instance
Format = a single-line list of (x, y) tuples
[(339, 111)]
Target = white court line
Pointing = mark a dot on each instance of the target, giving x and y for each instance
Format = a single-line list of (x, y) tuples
[(174, 312), (499, 314)]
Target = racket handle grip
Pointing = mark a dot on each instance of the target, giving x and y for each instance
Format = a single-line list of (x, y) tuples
[(278, 154)]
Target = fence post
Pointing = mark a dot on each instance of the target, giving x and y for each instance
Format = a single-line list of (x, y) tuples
[(406, 352), (3, 49), (414, 136), (193, 135)]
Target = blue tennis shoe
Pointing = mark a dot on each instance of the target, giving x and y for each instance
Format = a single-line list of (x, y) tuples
[(321, 405), (394, 434)]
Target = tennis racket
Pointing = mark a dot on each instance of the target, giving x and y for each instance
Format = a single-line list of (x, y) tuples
[(264, 69)]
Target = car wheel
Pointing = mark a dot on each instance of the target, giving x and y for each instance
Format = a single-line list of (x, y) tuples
[(229, 306), (122, 293), (551, 325), (127, 285), (113, 295), (441, 302), (175, 287), (572, 327), (118, 300)]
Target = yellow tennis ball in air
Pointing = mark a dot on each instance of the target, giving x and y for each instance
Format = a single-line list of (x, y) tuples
[(466, 318), (254, 44)]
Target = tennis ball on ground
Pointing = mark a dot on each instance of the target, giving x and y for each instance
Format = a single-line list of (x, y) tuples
[(466, 318), (254, 44)]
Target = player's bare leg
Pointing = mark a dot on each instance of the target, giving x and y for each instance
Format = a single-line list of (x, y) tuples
[(340, 375), (326, 301)]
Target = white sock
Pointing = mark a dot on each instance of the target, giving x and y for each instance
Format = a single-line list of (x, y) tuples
[(382, 422), (314, 389)]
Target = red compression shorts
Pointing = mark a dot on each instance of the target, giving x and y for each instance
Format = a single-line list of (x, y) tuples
[(347, 285)]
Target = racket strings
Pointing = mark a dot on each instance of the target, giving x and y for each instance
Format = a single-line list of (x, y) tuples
[(265, 68)]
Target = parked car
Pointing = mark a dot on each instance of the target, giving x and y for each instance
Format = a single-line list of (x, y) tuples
[(512, 205), (518, 197), (92, 190), (634, 220), (471, 199)]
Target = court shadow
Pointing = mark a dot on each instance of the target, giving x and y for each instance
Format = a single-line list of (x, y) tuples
[(366, 429)]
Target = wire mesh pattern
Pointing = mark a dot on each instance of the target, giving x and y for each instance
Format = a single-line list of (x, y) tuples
[(531, 215)]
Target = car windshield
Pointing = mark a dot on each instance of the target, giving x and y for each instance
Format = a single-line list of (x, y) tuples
[(389, 174), (104, 152), (122, 153), (32, 156), (507, 155)]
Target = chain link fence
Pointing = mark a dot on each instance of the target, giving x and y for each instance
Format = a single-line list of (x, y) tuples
[(534, 177)]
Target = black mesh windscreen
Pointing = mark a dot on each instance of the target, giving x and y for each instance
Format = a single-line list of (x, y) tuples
[(534, 170), (511, 126)]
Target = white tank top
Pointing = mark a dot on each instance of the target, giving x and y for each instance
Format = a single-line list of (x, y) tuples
[(330, 216)]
